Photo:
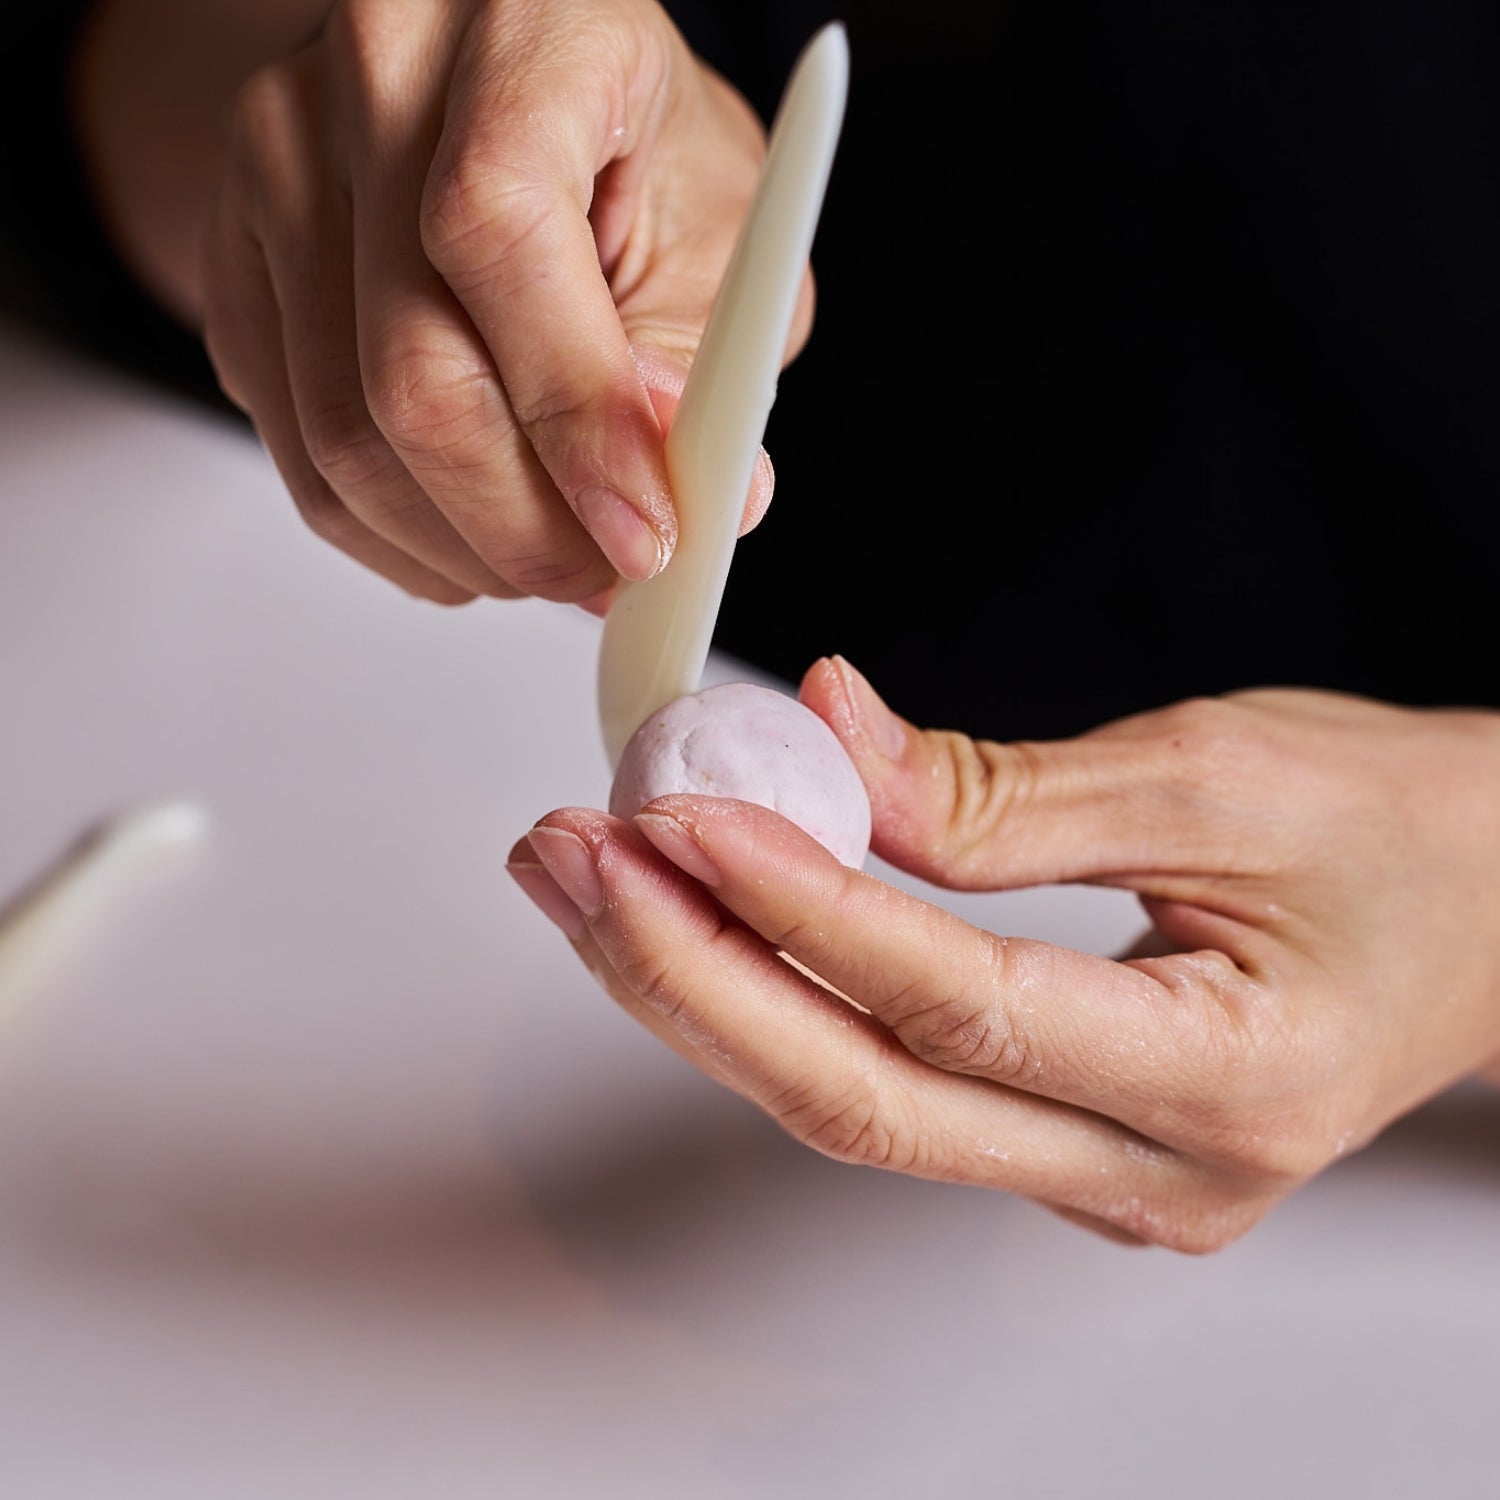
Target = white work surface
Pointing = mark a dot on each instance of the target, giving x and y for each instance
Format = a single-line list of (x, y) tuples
[(326, 1172)]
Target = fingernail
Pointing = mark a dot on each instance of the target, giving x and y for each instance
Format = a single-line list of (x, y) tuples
[(673, 840), (885, 732), (570, 864), (633, 549), (762, 486), (549, 898)]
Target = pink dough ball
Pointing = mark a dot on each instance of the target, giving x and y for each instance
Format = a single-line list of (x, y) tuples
[(754, 744)]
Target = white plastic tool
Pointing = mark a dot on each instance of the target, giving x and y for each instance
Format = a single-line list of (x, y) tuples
[(60, 905), (657, 634)]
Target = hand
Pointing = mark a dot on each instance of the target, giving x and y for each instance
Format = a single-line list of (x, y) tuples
[(458, 263), (1320, 875)]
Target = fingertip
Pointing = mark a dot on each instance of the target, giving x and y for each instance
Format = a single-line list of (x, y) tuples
[(762, 487), (663, 376), (572, 863), (839, 693), (539, 887), (521, 852), (628, 510), (633, 546), (819, 688), (876, 741), (595, 828), (674, 838)]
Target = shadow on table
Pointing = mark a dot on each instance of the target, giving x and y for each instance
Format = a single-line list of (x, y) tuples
[(684, 1180)]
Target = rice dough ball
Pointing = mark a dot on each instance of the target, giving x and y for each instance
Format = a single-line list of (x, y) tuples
[(754, 744)]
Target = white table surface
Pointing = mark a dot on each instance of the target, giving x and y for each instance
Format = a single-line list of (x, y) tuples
[(326, 1172)]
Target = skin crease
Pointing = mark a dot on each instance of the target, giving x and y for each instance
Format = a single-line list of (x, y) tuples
[(1320, 874), (453, 259)]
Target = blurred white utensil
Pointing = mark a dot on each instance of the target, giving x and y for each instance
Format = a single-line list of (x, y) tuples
[(56, 909)]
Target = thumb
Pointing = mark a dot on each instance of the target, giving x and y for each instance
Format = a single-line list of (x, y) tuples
[(972, 814)]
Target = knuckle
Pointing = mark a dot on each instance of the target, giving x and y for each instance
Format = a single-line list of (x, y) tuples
[(984, 775), (849, 1127), (983, 784), (552, 404), (1227, 1058), (651, 979), (657, 986), (1245, 1100), (1202, 725), (365, 39), (344, 445), (477, 214), (262, 105), (429, 403), (267, 118), (960, 1036), (965, 1031), (662, 986), (1215, 744), (368, 46)]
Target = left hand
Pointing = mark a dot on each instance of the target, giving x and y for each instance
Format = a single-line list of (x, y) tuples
[(1320, 873)]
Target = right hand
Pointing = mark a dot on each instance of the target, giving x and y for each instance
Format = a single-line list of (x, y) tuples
[(459, 262)]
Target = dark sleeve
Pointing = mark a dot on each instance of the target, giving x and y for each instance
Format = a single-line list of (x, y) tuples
[(60, 276)]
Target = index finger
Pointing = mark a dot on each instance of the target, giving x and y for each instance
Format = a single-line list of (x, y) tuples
[(1128, 1040), (541, 131), (834, 1078)]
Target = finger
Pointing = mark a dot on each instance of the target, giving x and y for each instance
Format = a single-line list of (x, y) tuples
[(524, 866), (505, 222), (1148, 803), (305, 228), (242, 334), (428, 380), (829, 1074), (533, 136), (1146, 1043)]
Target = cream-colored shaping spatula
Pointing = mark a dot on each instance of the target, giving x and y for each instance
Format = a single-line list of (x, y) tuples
[(657, 635)]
